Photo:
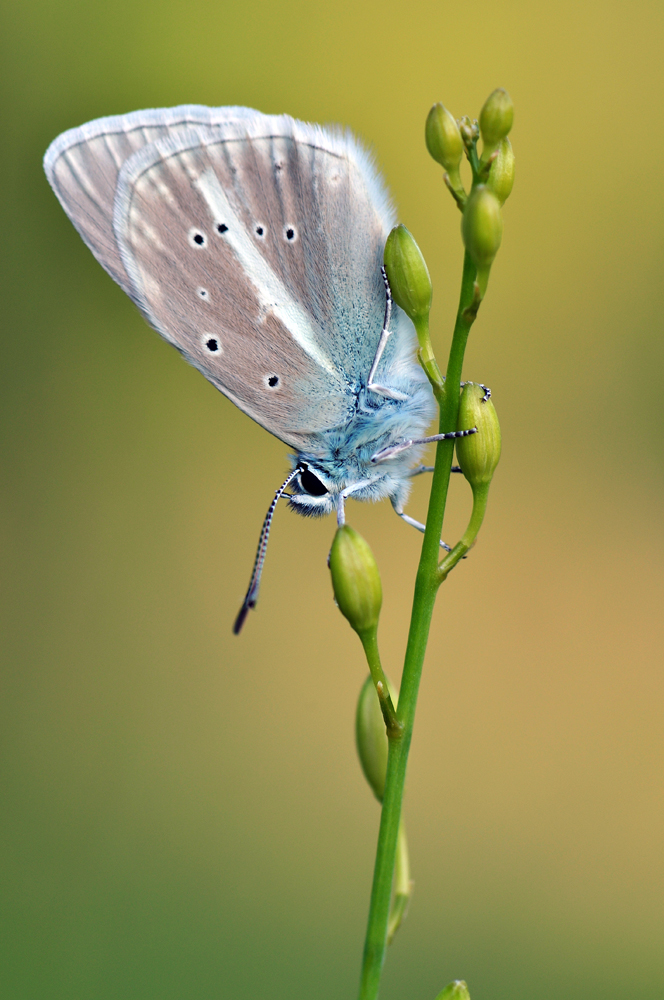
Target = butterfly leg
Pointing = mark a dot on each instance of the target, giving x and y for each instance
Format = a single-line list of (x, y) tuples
[(372, 386), (341, 510), (419, 469), (416, 524), (394, 449), (487, 391)]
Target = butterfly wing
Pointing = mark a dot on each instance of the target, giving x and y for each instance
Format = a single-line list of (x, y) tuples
[(253, 244), (82, 167)]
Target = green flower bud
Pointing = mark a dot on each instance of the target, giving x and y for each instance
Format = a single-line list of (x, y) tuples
[(478, 454), (371, 737), (482, 225), (443, 139), (496, 119), (355, 580), (455, 991), (408, 274), (501, 174), (469, 131)]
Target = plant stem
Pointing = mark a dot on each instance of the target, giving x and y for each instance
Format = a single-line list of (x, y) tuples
[(403, 885), (480, 498), (369, 641), (426, 587)]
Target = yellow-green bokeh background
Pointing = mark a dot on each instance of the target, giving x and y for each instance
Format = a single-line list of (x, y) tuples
[(183, 815)]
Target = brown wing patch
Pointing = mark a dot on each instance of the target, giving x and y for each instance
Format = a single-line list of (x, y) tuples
[(198, 291)]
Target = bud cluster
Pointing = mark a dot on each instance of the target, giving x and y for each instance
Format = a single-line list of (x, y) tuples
[(470, 131), (493, 172)]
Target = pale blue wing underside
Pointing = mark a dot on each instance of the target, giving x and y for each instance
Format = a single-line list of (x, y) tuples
[(258, 234)]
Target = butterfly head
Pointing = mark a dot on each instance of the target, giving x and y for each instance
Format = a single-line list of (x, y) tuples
[(321, 488)]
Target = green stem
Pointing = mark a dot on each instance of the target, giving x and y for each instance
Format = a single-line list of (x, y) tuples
[(456, 189), (480, 498), (370, 643), (403, 886), (426, 356), (426, 587)]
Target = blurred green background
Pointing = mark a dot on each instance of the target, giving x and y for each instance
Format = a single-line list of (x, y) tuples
[(183, 814)]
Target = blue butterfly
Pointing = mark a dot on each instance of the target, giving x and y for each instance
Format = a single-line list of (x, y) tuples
[(254, 243)]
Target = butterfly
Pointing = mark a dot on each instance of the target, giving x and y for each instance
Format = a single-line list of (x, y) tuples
[(254, 245)]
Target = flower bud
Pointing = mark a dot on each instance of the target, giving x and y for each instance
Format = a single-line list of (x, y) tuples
[(501, 174), (478, 454), (443, 139), (482, 226), (355, 580), (455, 991), (408, 274), (469, 131), (371, 737), (496, 119)]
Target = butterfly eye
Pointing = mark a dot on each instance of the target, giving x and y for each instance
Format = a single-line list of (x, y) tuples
[(222, 228), (260, 231), (212, 345), (203, 294), (290, 233), (272, 381), (311, 484)]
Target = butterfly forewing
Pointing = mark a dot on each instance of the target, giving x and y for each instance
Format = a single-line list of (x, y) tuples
[(82, 166), (253, 243)]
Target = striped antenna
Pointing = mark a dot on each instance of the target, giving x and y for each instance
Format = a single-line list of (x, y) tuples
[(252, 593)]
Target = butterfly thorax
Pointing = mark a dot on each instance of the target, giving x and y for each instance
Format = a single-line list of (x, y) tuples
[(343, 462)]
